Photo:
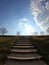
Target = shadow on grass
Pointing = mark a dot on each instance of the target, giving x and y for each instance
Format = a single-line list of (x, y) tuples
[(43, 48), (4, 51)]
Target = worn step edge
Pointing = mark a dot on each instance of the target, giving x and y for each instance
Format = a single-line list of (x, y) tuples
[(23, 50), (24, 58), (23, 46)]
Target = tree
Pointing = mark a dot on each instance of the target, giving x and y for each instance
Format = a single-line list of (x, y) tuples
[(47, 30), (18, 33), (3, 30), (42, 32), (35, 33)]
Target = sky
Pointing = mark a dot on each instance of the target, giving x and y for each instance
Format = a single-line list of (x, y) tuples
[(24, 16)]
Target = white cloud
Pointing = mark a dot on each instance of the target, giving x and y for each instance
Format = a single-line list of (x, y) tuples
[(25, 27), (20, 23), (37, 8), (47, 5), (28, 29), (23, 20)]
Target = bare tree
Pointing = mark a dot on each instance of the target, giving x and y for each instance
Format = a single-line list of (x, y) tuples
[(35, 33), (3, 30), (18, 33), (42, 32), (47, 30), (0, 30)]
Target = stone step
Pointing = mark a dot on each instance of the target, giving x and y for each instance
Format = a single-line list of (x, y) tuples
[(23, 50), (23, 46), (30, 62), (24, 58), (23, 41), (24, 54)]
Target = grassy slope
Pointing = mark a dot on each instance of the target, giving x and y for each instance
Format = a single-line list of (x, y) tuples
[(42, 44), (6, 43)]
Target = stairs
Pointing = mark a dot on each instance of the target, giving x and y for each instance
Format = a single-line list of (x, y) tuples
[(23, 52)]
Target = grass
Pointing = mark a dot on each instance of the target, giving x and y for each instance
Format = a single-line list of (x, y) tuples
[(43, 47), (41, 43), (4, 50), (5, 46)]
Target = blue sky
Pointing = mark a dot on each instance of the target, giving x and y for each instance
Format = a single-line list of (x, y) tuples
[(19, 15)]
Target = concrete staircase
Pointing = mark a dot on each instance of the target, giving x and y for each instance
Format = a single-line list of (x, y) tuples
[(23, 53)]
